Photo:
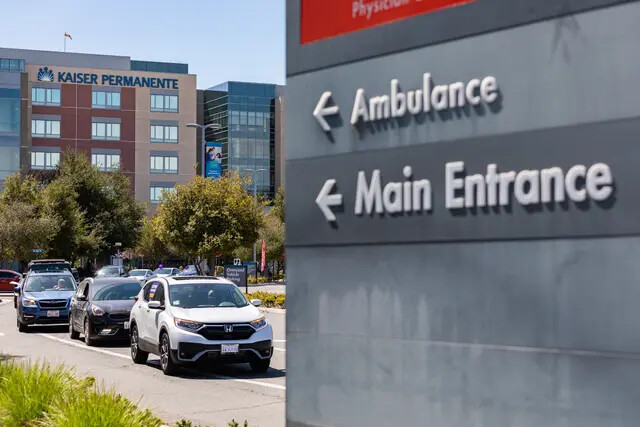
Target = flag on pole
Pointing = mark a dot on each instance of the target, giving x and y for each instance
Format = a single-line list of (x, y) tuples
[(264, 256), (68, 35)]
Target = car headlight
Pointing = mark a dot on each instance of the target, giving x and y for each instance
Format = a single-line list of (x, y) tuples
[(29, 303), (188, 325), (97, 311), (259, 323)]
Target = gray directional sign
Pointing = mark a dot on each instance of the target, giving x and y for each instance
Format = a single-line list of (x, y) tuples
[(463, 215)]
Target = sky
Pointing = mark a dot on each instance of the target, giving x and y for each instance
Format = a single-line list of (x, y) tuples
[(221, 40)]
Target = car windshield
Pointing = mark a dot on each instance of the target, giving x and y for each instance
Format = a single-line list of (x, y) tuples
[(117, 292), (138, 272), (109, 271), (198, 295), (163, 271), (50, 282)]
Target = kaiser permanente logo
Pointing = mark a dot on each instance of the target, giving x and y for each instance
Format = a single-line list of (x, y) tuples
[(45, 75)]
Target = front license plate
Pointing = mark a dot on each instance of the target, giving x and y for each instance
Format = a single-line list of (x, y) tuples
[(230, 348), (53, 313), (126, 325)]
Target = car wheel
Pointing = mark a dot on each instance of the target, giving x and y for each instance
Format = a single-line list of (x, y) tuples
[(260, 366), (137, 355), (169, 367), (87, 334), (73, 334), (21, 326)]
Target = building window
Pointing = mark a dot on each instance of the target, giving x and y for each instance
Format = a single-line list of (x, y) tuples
[(16, 65), (105, 99), (44, 160), (106, 162), (164, 133), (45, 128), (164, 164), (164, 103), (109, 131), (155, 193), (43, 96)]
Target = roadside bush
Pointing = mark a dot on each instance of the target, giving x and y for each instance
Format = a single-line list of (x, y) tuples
[(269, 300), (28, 391), (42, 395)]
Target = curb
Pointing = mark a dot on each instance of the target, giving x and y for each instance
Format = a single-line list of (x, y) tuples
[(273, 310)]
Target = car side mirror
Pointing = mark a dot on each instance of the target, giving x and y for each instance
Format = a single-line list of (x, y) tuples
[(256, 302), (81, 298), (17, 290), (155, 305)]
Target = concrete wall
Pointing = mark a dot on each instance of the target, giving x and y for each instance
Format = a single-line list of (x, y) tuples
[(499, 332)]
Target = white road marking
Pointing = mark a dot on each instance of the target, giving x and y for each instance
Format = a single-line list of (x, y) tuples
[(84, 347), (123, 356)]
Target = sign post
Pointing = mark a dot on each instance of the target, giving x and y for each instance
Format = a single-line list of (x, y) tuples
[(238, 275)]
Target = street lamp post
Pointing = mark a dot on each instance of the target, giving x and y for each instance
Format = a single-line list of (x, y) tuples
[(255, 196), (203, 128)]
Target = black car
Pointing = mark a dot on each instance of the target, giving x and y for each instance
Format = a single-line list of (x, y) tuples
[(101, 307)]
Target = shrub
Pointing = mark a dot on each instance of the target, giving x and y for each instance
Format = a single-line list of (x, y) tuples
[(99, 409), (269, 300), (27, 391)]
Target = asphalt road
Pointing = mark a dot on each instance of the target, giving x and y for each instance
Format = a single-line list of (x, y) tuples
[(212, 397)]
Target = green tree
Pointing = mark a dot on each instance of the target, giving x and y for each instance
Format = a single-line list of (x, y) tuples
[(278, 205), (205, 217), (73, 238), (107, 200), (18, 188), (22, 229), (149, 244)]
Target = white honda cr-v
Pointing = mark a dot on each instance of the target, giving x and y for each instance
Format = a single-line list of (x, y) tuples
[(184, 319)]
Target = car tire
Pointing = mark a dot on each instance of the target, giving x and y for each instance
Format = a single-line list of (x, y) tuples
[(138, 356), (87, 334), (73, 334), (21, 326), (168, 365), (260, 366)]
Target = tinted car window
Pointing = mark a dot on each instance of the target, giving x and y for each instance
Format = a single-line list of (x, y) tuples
[(158, 295), (138, 273), (109, 271), (6, 275), (147, 290), (50, 282), (117, 292), (206, 295)]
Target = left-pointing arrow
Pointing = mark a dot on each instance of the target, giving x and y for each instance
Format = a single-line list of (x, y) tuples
[(322, 111), (326, 200)]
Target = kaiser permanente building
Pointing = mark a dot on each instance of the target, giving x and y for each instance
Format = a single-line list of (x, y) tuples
[(124, 114)]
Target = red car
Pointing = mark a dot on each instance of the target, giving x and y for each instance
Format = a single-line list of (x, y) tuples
[(6, 277)]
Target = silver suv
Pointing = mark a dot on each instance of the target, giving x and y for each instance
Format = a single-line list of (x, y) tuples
[(185, 319)]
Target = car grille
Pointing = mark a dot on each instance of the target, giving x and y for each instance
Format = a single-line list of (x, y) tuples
[(119, 317), (53, 303), (216, 332)]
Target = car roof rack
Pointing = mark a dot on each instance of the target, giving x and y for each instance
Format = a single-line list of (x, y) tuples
[(48, 261), (180, 278)]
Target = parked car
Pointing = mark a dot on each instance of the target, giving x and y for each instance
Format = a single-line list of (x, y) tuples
[(7, 277), (111, 271), (44, 298), (100, 308), (166, 272), (191, 270), (142, 274), (184, 319)]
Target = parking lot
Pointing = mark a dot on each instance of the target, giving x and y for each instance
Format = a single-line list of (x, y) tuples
[(207, 395)]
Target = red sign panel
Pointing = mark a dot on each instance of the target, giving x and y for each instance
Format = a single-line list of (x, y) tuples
[(322, 19)]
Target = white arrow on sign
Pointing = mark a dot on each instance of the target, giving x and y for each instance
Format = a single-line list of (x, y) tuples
[(325, 200), (322, 111)]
